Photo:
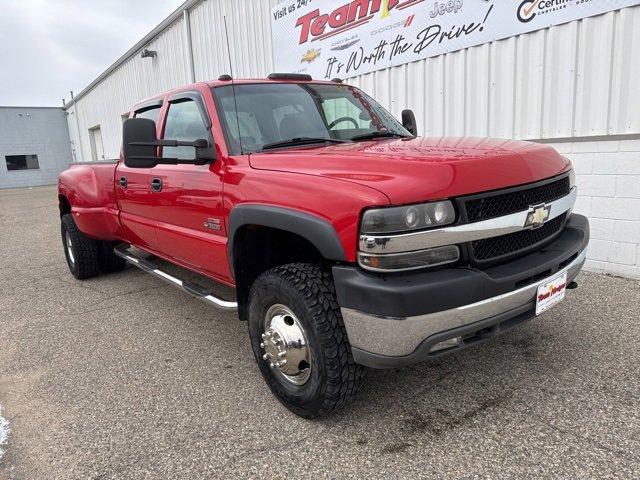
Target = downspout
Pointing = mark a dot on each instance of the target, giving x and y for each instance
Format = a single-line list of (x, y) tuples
[(191, 73), (75, 114)]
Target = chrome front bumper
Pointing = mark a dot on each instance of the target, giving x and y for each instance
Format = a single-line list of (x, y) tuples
[(380, 336)]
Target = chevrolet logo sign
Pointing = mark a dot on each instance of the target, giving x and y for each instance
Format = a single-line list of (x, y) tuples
[(537, 216)]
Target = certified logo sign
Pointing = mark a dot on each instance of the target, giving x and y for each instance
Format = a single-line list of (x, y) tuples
[(526, 11), (537, 216), (529, 9)]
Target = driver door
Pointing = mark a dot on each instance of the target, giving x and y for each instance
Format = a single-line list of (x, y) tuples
[(187, 202), (133, 193)]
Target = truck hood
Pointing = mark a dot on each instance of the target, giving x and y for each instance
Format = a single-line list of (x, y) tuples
[(419, 169)]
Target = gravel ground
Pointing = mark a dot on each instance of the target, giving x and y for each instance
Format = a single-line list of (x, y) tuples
[(124, 377)]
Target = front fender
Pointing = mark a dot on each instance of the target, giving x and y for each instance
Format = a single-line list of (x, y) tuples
[(317, 231)]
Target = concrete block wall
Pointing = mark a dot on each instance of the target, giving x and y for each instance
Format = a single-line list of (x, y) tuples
[(29, 131), (608, 178)]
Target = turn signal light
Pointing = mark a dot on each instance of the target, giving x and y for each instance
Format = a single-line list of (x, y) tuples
[(397, 262)]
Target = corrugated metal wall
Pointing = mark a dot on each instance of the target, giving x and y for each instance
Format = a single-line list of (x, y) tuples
[(137, 79), (249, 27), (570, 81)]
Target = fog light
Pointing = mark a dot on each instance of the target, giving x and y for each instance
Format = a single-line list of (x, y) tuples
[(410, 260)]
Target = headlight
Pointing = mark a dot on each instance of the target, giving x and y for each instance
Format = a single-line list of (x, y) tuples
[(409, 218), (395, 262)]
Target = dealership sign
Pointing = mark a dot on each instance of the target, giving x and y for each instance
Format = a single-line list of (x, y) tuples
[(343, 38)]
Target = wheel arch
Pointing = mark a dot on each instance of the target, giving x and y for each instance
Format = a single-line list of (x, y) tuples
[(317, 231), (255, 232), (64, 205)]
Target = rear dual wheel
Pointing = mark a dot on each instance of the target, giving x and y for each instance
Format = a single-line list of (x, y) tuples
[(85, 256), (299, 340)]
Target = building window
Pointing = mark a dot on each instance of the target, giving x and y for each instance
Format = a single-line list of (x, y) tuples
[(22, 162)]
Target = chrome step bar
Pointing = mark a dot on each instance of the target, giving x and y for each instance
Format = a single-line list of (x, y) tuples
[(191, 288)]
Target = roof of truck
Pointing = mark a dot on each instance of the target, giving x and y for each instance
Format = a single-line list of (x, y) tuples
[(220, 83), (239, 81)]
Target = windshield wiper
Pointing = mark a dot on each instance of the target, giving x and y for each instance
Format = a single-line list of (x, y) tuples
[(300, 141), (372, 135)]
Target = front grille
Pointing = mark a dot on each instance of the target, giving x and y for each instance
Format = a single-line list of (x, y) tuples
[(515, 243), (500, 204)]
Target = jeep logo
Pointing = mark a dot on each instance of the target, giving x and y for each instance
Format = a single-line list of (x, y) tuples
[(442, 8)]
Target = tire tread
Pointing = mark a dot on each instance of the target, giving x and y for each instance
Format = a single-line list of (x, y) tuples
[(315, 286), (86, 250)]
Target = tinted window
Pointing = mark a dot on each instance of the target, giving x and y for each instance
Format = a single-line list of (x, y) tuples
[(184, 122), (22, 162)]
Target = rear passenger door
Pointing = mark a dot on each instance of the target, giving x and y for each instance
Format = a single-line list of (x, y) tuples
[(188, 207), (133, 192)]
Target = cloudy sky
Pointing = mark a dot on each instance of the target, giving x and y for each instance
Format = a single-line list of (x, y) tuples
[(50, 47)]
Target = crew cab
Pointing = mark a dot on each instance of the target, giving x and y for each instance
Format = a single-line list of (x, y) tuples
[(349, 242)]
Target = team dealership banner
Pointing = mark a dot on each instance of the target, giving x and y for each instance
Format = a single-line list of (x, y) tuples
[(342, 38)]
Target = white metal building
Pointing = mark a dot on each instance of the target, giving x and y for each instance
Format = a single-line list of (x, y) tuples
[(574, 85)]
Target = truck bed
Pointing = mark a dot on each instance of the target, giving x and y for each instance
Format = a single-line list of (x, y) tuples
[(90, 190)]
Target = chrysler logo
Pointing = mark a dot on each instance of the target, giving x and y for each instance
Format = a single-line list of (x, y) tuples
[(537, 216)]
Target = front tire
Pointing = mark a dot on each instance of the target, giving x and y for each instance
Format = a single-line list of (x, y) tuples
[(82, 253), (300, 342)]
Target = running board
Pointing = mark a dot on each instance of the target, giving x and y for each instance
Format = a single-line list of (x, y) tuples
[(191, 288)]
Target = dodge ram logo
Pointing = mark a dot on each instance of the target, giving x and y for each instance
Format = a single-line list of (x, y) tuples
[(537, 216)]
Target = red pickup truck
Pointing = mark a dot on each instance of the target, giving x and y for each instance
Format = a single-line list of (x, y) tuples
[(349, 241)]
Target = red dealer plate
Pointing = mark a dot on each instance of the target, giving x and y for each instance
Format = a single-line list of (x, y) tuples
[(551, 293)]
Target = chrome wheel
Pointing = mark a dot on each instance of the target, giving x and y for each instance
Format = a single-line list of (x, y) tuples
[(285, 345), (69, 248)]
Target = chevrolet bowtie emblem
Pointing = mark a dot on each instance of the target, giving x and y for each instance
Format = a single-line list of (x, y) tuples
[(537, 216)]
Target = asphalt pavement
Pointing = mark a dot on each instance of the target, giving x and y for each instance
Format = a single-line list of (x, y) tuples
[(123, 377)]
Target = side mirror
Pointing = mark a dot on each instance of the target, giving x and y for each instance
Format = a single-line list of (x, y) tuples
[(204, 152), (139, 143), (140, 146), (409, 122)]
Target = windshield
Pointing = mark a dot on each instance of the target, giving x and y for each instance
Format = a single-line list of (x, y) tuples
[(272, 113)]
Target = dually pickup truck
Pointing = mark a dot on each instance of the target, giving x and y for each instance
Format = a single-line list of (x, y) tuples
[(349, 241)]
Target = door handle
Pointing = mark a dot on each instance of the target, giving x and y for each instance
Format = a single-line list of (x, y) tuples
[(156, 184), (123, 182)]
